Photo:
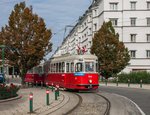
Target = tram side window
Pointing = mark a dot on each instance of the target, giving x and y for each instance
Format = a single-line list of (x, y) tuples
[(57, 67), (30, 71), (60, 68), (40, 69), (46, 68), (72, 67), (79, 67), (63, 67), (35, 70), (89, 66), (67, 67), (54, 68), (51, 68), (97, 67)]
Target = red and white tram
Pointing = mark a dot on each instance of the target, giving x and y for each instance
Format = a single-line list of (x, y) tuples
[(72, 72), (35, 75)]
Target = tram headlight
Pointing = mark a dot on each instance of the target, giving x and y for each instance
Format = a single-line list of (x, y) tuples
[(90, 81)]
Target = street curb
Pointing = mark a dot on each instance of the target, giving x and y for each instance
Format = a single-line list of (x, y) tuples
[(142, 113), (10, 99)]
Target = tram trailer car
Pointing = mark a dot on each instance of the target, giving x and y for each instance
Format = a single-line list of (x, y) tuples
[(35, 75), (77, 72)]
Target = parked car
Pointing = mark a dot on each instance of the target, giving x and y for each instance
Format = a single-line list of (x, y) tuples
[(2, 78)]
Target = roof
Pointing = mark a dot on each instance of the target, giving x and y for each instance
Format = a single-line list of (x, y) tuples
[(73, 57)]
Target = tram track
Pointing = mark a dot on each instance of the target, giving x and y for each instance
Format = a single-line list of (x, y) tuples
[(75, 107), (69, 103), (54, 108), (99, 105), (107, 112)]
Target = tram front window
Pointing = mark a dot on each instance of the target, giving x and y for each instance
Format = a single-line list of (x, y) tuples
[(79, 67), (89, 66)]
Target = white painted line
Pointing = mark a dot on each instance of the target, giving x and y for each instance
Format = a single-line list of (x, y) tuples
[(133, 103)]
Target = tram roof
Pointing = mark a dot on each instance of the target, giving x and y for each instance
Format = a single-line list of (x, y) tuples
[(73, 57)]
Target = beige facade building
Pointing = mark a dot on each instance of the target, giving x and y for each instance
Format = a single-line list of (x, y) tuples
[(130, 18)]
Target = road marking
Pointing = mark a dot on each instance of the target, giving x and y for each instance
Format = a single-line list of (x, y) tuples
[(133, 103)]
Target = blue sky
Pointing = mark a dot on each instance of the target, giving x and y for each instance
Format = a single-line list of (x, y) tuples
[(56, 13)]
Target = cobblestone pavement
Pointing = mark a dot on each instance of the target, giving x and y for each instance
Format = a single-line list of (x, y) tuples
[(21, 106)]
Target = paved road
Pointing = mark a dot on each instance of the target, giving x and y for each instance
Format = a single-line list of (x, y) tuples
[(140, 96)]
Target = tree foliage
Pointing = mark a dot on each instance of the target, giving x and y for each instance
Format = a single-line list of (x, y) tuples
[(112, 54), (26, 34)]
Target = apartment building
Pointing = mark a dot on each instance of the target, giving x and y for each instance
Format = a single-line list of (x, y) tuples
[(130, 18)]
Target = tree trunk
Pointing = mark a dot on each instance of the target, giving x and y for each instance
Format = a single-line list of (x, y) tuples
[(22, 75)]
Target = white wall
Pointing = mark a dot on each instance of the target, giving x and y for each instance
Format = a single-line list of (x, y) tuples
[(124, 13)]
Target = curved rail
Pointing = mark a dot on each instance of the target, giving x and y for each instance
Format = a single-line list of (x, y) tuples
[(58, 107), (107, 112), (79, 103), (64, 104)]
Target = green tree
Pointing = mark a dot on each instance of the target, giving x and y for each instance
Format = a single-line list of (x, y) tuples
[(112, 54), (26, 34)]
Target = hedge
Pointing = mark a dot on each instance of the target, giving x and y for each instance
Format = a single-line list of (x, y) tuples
[(135, 77), (8, 91)]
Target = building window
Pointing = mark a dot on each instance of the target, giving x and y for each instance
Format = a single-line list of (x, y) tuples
[(133, 54), (148, 5), (113, 6), (114, 21), (148, 53), (95, 27), (148, 37), (133, 21), (133, 5), (133, 37), (95, 12), (148, 21), (90, 31)]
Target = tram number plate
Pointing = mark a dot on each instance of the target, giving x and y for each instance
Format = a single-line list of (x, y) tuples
[(90, 86)]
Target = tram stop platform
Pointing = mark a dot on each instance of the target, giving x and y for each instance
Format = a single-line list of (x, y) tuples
[(21, 104)]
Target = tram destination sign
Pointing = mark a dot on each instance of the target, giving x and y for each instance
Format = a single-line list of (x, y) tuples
[(79, 74)]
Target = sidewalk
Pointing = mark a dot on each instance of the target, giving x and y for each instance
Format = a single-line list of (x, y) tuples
[(21, 106), (66, 101), (144, 86)]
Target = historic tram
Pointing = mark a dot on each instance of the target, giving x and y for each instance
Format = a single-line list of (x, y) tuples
[(35, 75), (72, 72)]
